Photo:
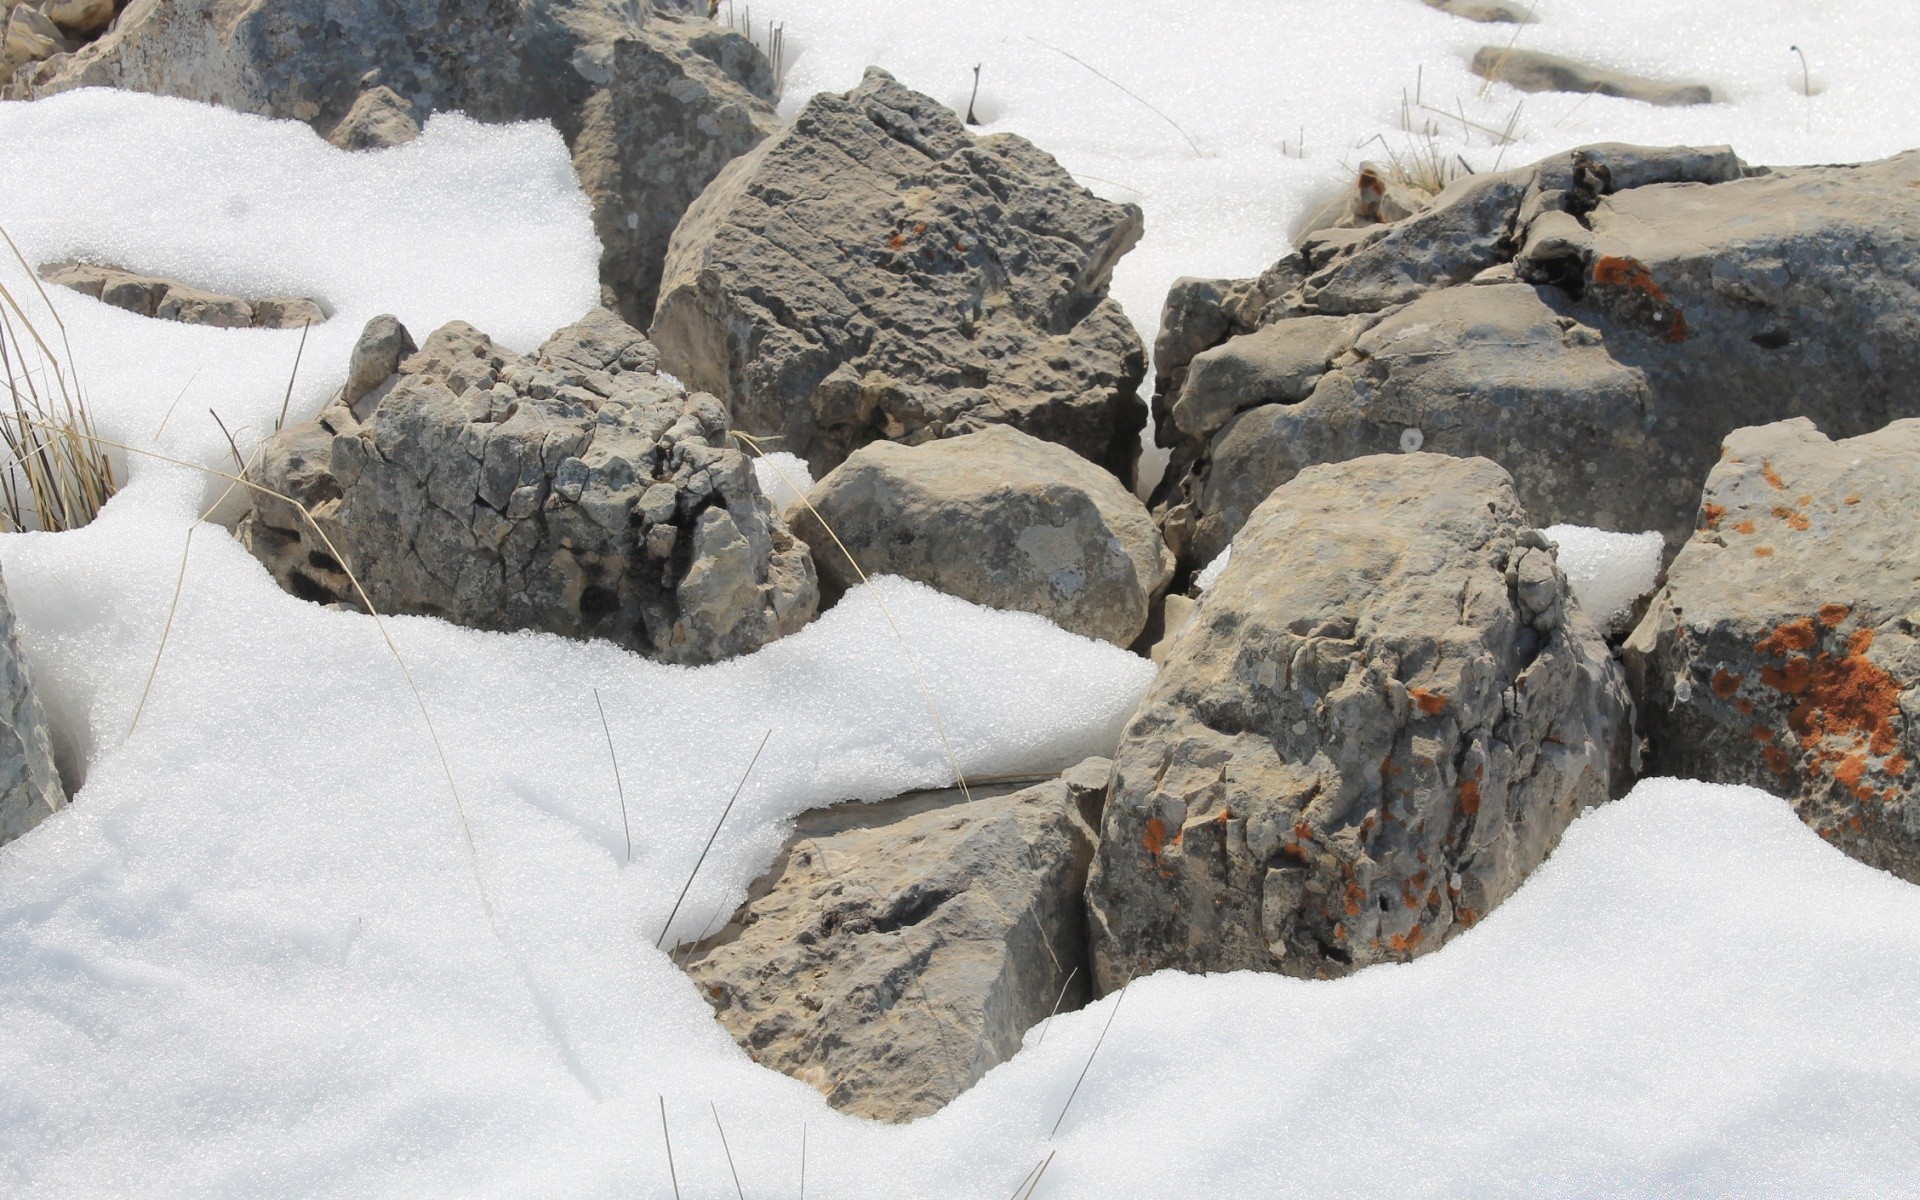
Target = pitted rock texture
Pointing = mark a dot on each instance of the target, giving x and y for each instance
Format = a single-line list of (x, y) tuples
[(574, 491), (1378, 722), (1784, 651), (1595, 323), (171, 300), (30, 788), (652, 103), (897, 951), (875, 272), (995, 517)]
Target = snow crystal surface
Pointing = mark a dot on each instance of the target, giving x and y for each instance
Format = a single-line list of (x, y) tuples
[(783, 477), (1608, 572), (1207, 574)]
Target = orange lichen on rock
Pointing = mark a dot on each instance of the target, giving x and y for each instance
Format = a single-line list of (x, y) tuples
[(1156, 836), (1772, 476), (1763, 551), (1846, 709), (1725, 683), (1787, 637), (1744, 527), (1710, 514), (1832, 614), (1470, 795), (1430, 702), (1631, 274)]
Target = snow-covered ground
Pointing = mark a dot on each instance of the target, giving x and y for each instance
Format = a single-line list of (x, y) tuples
[(254, 958)]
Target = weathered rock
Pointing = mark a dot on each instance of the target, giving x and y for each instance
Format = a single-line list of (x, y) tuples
[(1628, 308), (574, 490), (29, 36), (998, 518), (1485, 11), (383, 345), (897, 951), (378, 119), (1382, 716), (1534, 71), (30, 788), (652, 103), (80, 18), (877, 272), (1784, 651), (171, 300)]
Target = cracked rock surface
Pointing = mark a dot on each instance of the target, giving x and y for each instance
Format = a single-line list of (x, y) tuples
[(574, 490), (1784, 651), (1596, 323), (896, 951), (30, 788), (1377, 723), (171, 300), (876, 272)]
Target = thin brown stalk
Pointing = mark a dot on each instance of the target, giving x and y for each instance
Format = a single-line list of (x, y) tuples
[(168, 415), (1123, 87), (1048, 1023), (292, 375), (1019, 1189), (613, 758), (711, 838), (666, 1137), (1118, 1000), (232, 446), (803, 1160), (1040, 1174), (728, 1151)]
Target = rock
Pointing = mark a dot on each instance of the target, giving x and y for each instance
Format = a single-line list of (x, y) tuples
[(651, 103), (998, 518), (1486, 11), (876, 272), (574, 490), (1596, 323), (1533, 71), (378, 119), (1382, 716), (897, 951), (30, 36), (80, 18), (30, 788), (1784, 651), (384, 344), (171, 300)]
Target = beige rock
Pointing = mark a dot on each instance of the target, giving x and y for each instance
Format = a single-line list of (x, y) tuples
[(1534, 71), (80, 18)]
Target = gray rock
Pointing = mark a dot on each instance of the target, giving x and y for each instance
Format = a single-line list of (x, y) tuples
[(1784, 651), (651, 103), (998, 518), (875, 272), (504, 492), (1627, 309), (380, 118), (897, 951), (1380, 719), (383, 345), (30, 788), (1489, 12), (171, 300), (29, 36), (1534, 71)]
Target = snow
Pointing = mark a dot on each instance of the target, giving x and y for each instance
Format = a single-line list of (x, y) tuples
[(1207, 574), (1609, 572), (260, 957), (783, 477)]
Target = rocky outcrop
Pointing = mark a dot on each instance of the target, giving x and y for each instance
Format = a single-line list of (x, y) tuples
[(1784, 651), (1595, 323), (575, 491), (897, 951), (876, 272), (30, 788), (171, 300), (1534, 71), (998, 518), (1380, 719), (652, 103)]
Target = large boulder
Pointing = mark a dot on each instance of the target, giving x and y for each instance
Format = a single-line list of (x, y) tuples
[(575, 490), (877, 272), (895, 952), (1784, 651), (653, 103), (1595, 323), (30, 788), (1380, 719), (995, 517)]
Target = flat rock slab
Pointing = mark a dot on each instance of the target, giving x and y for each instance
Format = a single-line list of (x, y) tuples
[(171, 300), (876, 272), (995, 517), (896, 951), (1784, 651), (1534, 71), (1378, 722)]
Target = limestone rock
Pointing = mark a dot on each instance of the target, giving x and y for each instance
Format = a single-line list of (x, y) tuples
[(574, 490), (171, 300), (998, 518), (652, 103), (80, 18), (1380, 719), (1489, 12), (29, 36), (1596, 323), (897, 951), (30, 788), (1534, 71), (875, 272), (1784, 651)]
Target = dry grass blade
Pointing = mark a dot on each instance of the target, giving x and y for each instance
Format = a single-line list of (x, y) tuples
[(913, 660), (291, 376), (168, 415), (672, 1175), (1118, 1000), (1019, 1189), (711, 838), (1048, 1023), (803, 1160), (728, 1151), (1501, 62), (56, 477), (1040, 1174), (233, 447), (1123, 87), (618, 788)]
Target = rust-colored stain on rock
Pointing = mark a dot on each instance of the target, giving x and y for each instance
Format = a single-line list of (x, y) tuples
[(1846, 709), (1430, 702), (1630, 274)]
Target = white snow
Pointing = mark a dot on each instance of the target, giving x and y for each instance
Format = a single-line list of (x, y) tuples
[(1608, 572), (783, 477), (1207, 574), (253, 958)]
